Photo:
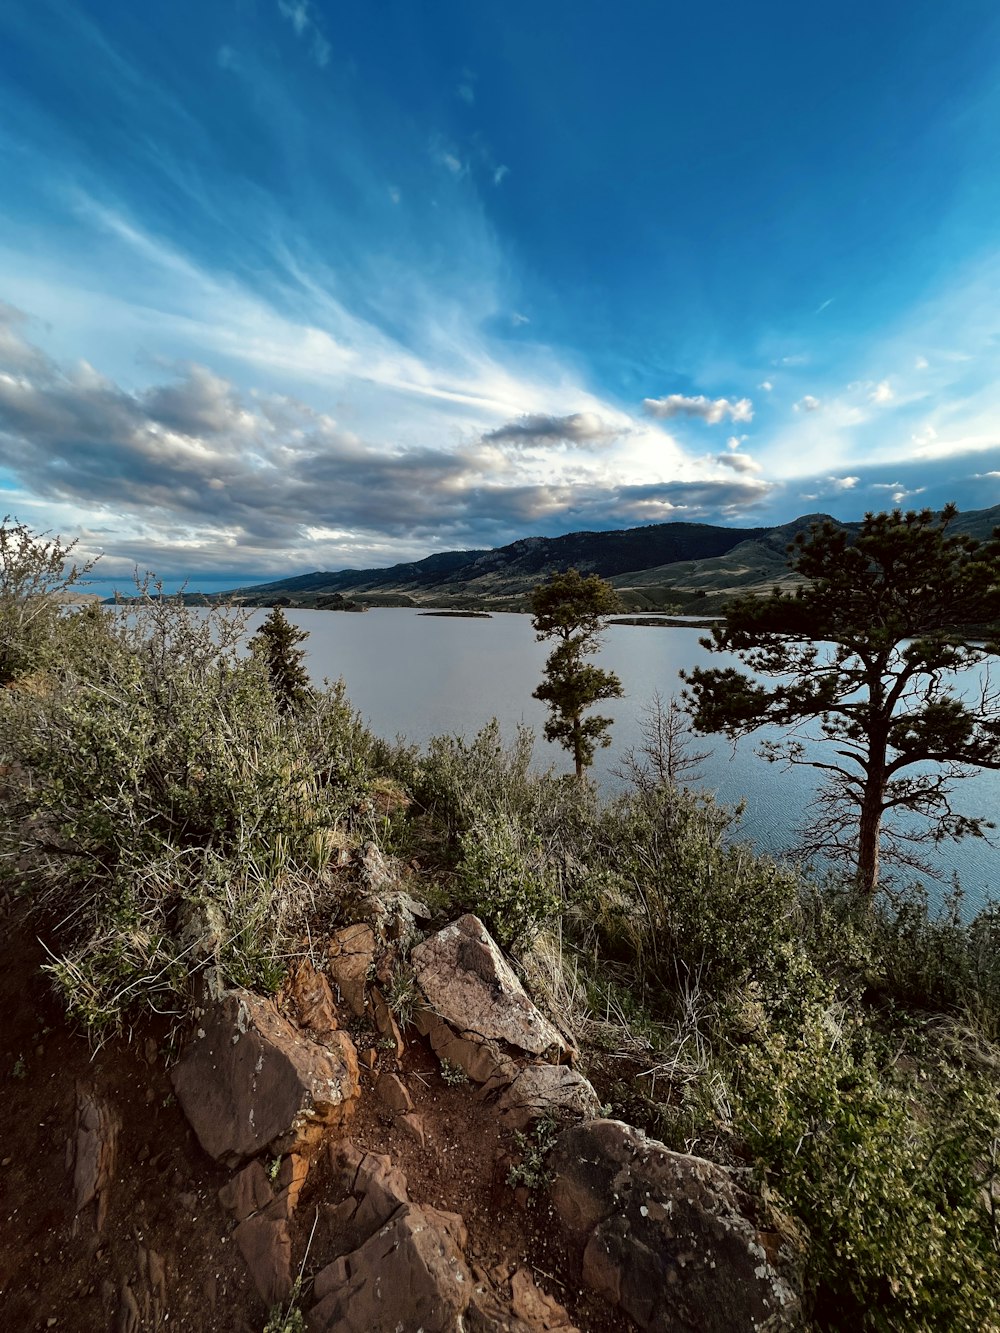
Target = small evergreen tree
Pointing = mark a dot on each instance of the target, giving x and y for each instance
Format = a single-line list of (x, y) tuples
[(277, 643), (572, 609)]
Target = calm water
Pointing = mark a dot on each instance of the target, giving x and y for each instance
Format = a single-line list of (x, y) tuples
[(422, 675)]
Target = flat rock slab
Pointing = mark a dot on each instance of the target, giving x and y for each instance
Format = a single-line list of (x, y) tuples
[(668, 1236), (553, 1090), (410, 1275), (249, 1081), (468, 982), (266, 1246)]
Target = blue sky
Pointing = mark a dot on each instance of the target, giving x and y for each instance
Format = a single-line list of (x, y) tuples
[(290, 284)]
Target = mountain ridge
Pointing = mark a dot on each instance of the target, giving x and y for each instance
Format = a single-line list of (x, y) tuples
[(654, 566)]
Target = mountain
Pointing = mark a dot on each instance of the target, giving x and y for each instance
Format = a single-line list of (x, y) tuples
[(663, 565)]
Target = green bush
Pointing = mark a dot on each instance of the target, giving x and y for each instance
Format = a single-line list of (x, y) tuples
[(672, 895), (160, 775), (889, 1172), (503, 877)]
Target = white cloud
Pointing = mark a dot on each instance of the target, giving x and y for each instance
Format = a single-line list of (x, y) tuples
[(766, 385), (467, 93), (708, 410), (453, 163), (739, 462), (882, 393), (808, 404), (499, 173), (394, 194), (518, 319), (828, 302), (842, 483)]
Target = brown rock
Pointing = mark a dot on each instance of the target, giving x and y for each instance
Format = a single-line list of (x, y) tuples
[(470, 985), (409, 1275), (249, 1081), (371, 1190), (393, 1094), (553, 1090), (536, 1308), (94, 1153), (266, 1245), (311, 1000), (669, 1237), (413, 1124), (291, 1178), (350, 956), (482, 1061), (247, 1192)]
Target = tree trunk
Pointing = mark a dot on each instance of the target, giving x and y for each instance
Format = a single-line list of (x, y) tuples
[(868, 837), (578, 749)]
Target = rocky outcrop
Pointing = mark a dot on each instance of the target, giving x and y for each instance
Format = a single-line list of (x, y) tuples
[(669, 1237), (402, 1265), (263, 1210), (469, 984), (249, 1081)]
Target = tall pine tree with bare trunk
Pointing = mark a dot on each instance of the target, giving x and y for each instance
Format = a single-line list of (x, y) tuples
[(876, 651)]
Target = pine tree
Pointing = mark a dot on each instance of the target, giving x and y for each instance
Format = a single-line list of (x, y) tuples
[(572, 609), (869, 650), (277, 642)]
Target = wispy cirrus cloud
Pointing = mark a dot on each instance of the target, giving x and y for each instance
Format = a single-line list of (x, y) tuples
[(302, 16)]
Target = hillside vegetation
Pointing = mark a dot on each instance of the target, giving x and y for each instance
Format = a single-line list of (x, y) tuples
[(842, 1057), (688, 567)]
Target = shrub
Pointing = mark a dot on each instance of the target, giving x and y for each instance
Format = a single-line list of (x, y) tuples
[(160, 776), (503, 877), (889, 1173), (671, 895)]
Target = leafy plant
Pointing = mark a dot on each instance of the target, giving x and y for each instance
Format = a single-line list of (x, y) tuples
[(534, 1148), (454, 1075)]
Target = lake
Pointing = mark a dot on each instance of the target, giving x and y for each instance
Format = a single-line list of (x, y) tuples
[(420, 675)]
